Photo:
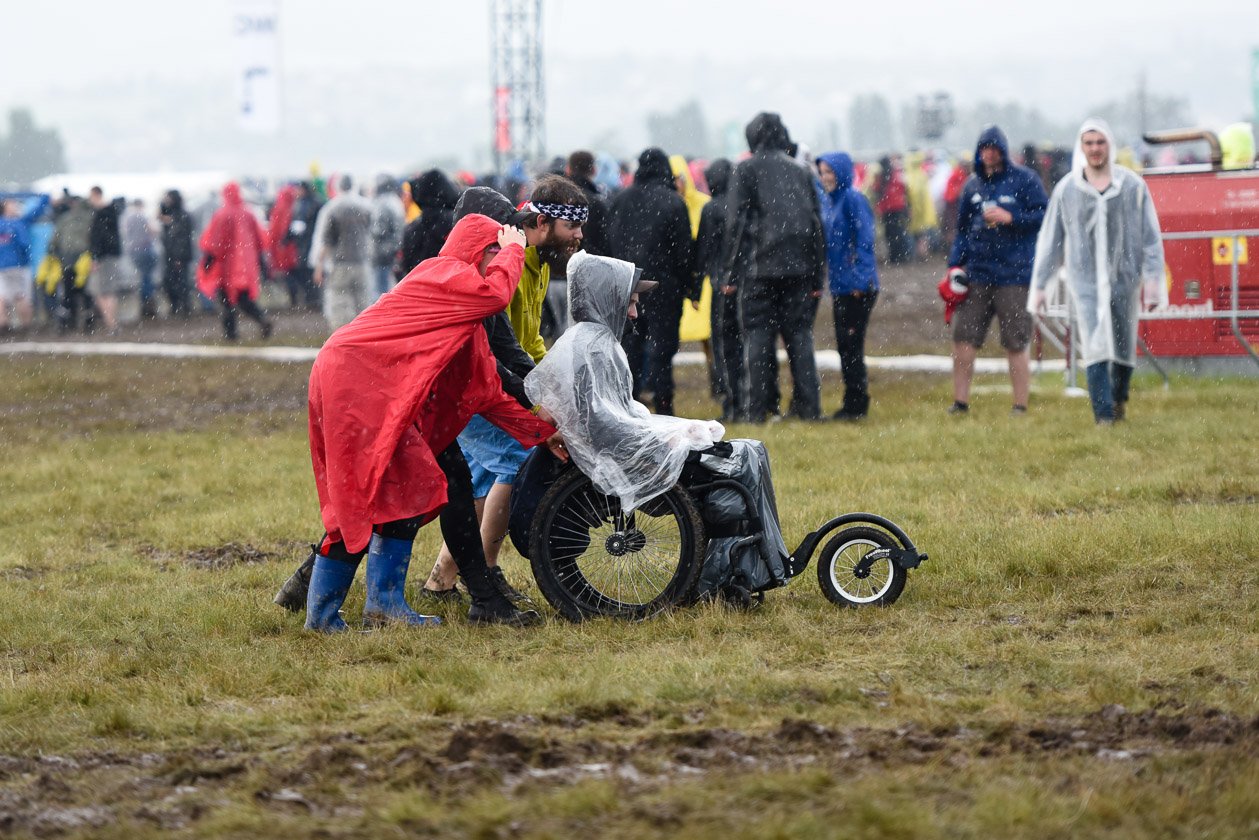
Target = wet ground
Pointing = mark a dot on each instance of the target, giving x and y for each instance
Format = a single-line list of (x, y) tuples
[(49, 795)]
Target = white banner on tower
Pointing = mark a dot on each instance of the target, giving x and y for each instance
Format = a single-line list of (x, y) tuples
[(256, 33)]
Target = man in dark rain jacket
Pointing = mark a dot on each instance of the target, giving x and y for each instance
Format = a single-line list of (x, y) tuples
[(423, 238), (774, 256), (726, 330), (177, 248), (651, 228), (998, 216)]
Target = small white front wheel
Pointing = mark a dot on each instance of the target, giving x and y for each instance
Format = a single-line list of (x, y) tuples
[(846, 581)]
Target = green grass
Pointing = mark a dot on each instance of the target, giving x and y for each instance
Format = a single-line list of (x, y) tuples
[(1072, 568)]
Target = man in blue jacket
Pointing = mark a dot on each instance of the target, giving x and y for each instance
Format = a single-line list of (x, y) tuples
[(17, 213), (848, 223), (998, 216)]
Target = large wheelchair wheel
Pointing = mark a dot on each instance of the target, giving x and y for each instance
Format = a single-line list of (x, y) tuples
[(592, 559), (845, 584)]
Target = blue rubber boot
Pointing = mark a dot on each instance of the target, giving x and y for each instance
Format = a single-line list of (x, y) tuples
[(329, 582), (387, 562)]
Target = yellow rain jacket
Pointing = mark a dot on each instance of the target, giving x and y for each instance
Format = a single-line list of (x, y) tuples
[(922, 210), (525, 309), (696, 323)]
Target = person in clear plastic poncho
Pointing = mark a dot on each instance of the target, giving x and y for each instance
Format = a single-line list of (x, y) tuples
[(585, 384), (1101, 227)]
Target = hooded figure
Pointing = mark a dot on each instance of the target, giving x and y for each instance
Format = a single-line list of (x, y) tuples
[(1111, 247), (922, 209), (727, 344), (233, 242), (436, 196), (177, 251), (586, 384), (650, 227), (397, 385), (848, 223), (281, 247), (696, 324), (774, 254)]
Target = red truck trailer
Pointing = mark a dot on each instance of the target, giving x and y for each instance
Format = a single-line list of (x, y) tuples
[(1210, 218)]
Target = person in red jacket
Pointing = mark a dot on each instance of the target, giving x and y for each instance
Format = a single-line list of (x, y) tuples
[(232, 247), (389, 394)]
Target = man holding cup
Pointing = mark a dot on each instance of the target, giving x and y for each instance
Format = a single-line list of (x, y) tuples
[(998, 216)]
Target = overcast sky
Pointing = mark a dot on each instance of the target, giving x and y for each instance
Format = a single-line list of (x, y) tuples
[(1060, 57), (65, 41)]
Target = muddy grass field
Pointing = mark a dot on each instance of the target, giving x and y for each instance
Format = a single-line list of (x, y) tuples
[(1076, 659)]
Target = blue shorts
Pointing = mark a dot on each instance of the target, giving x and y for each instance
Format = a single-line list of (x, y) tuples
[(493, 456)]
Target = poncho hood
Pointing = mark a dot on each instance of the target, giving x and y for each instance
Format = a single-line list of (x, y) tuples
[(470, 237), (599, 291), (1078, 160), (695, 200), (841, 164), (231, 193)]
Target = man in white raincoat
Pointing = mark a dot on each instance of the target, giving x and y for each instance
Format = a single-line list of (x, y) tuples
[(1101, 225), (586, 385)]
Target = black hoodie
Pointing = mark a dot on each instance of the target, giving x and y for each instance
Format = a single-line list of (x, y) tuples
[(712, 220), (436, 197), (176, 229), (594, 233), (650, 227), (773, 223)]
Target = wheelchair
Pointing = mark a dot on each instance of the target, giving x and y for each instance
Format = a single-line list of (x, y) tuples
[(591, 558)]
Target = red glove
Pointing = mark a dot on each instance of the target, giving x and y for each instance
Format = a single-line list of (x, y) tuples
[(949, 291)]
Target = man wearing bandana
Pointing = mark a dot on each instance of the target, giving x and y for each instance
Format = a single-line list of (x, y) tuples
[(552, 220)]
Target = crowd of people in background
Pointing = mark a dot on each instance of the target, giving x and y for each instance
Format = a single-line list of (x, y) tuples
[(148, 258), (744, 251)]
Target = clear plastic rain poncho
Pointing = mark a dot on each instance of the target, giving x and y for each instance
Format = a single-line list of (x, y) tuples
[(585, 383), (1110, 245)]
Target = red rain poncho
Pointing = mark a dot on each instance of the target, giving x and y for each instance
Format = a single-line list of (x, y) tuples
[(280, 249), (396, 386), (234, 239)]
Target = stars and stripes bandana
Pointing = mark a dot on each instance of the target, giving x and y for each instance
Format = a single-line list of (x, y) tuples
[(568, 212)]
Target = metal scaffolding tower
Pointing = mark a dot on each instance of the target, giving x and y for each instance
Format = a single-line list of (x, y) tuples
[(518, 104)]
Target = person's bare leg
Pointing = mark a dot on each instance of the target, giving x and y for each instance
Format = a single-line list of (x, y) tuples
[(445, 571), (108, 305), (494, 517), (963, 369), (1020, 376)]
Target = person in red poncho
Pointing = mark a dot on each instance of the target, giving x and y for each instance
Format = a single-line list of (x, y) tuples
[(232, 247), (389, 394), (281, 246)]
